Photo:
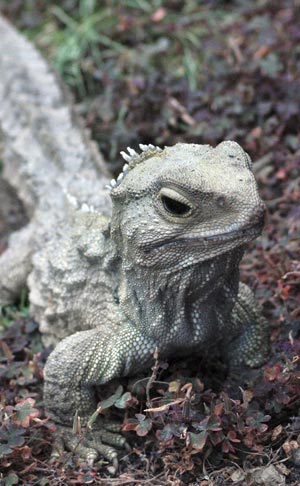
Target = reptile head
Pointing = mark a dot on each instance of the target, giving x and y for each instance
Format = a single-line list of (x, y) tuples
[(185, 204)]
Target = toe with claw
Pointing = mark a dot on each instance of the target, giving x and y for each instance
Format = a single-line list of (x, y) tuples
[(95, 447)]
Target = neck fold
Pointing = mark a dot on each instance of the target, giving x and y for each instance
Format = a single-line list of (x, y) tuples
[(157, 301)]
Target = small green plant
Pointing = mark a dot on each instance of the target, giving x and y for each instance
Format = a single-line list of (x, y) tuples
[(78, 43), (9, 314)]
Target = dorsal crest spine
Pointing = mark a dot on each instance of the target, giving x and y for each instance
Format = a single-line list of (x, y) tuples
[(133, 158)]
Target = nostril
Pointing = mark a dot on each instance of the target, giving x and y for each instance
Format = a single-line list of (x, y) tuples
[(221, 201), (263, 210)]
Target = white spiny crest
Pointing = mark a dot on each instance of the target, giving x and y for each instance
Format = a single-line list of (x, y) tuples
[(125, 156), (74, 203), (134, 156), (112, 183), (132, 152), (85, 208), (144, 148), (132, 159), (72, 200)]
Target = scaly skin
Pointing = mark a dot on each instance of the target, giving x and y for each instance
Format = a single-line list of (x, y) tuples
[(180, 222), (161, 271), (46, 153)]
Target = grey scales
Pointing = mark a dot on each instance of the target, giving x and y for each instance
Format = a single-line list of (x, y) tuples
[(156, 267)]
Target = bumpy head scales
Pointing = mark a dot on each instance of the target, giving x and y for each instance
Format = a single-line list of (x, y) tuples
[(132, 159)]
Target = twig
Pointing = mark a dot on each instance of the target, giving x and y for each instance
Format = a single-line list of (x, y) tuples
[(152, 377)]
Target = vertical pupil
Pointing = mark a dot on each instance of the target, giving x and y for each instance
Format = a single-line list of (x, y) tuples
[(175, 207)]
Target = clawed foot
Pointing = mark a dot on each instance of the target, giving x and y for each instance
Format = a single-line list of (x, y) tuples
[(92, 446)]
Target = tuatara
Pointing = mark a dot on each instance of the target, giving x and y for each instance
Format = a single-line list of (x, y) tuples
[(161, 271), (166, 274)]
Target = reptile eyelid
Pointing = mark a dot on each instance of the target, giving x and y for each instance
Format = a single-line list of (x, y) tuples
[(174, 203), (168, 192)]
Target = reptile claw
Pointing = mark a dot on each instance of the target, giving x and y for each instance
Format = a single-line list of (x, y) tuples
[(96, 448)]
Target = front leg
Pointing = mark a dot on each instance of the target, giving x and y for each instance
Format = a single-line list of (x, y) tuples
[(252, 346), (79, 364)]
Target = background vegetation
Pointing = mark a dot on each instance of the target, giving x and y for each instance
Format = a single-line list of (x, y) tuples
[(161, 72)]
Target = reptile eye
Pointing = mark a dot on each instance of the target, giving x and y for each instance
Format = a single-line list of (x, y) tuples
[(175, 207), (175, 203)]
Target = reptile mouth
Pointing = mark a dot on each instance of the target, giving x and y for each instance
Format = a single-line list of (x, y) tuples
[(247, 230), (251, 231)]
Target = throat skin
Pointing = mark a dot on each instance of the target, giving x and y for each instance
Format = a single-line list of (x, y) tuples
[(173, 306)]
